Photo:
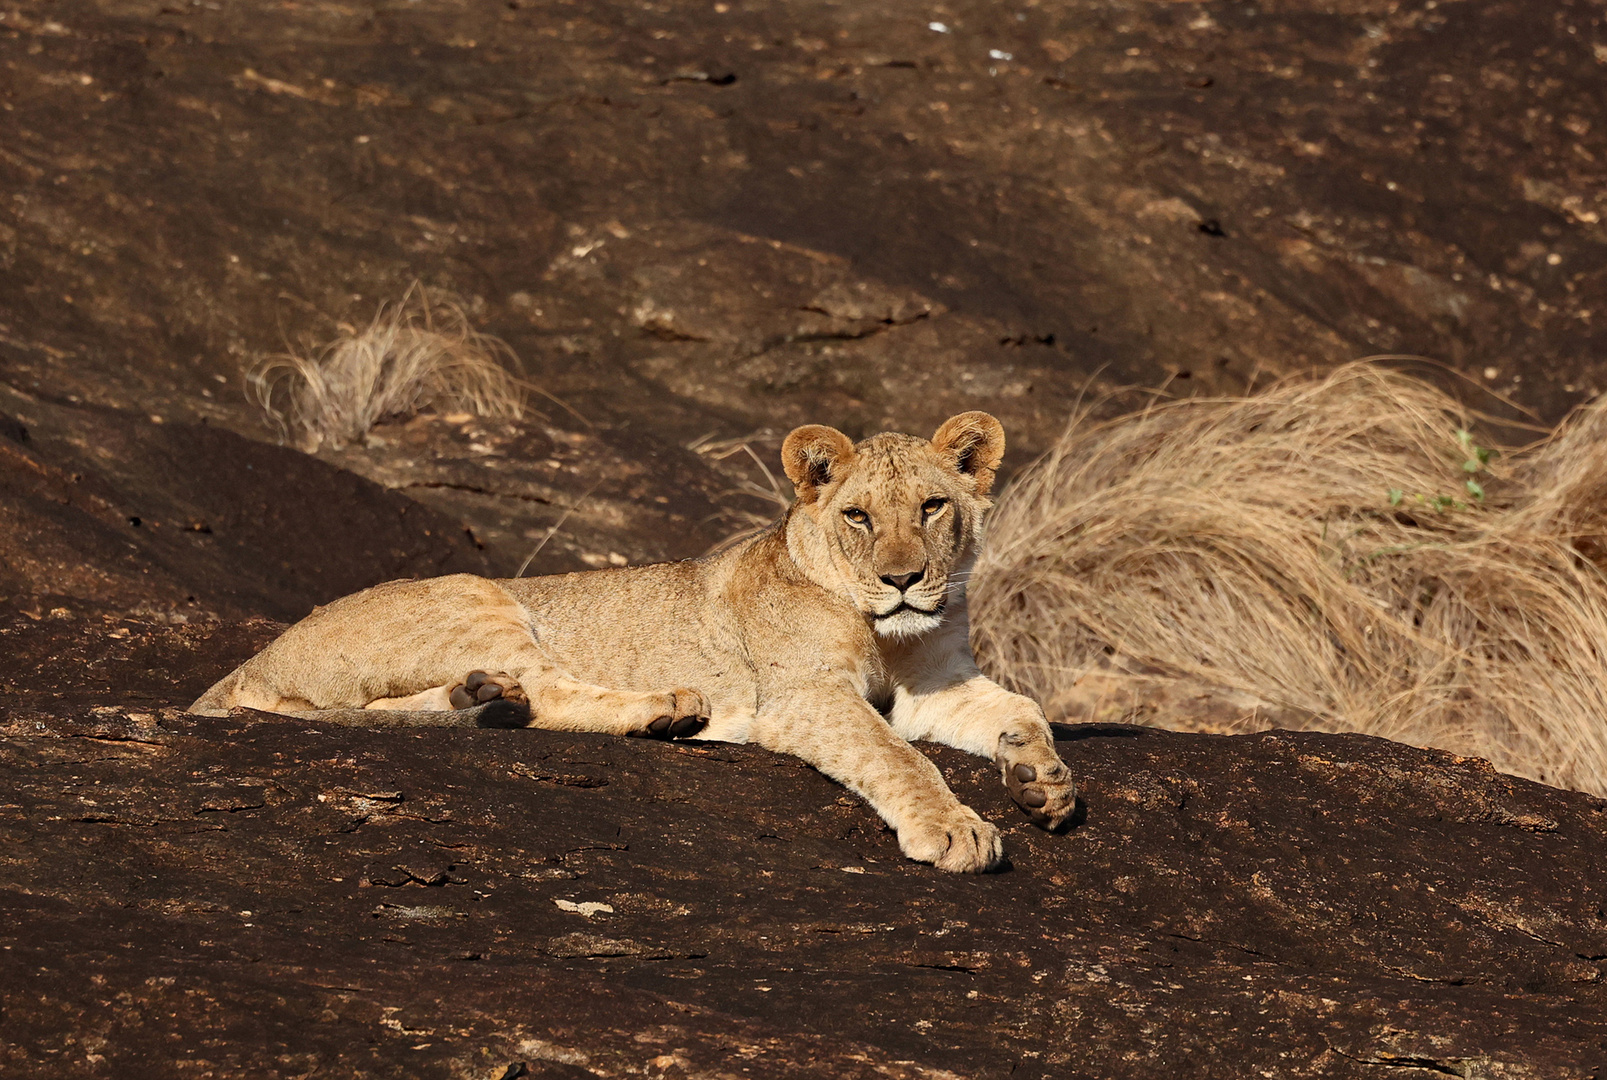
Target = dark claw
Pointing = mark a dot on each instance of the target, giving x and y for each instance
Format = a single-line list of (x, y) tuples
[(487, 690), (1026, 774), (660, 728), (461, 698), (475, 679), (1034, 798)]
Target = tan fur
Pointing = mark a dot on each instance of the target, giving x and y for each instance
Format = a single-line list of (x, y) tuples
[(838, 635)]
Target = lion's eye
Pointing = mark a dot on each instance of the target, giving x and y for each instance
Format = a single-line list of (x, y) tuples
[(930, 507), (858, 517)]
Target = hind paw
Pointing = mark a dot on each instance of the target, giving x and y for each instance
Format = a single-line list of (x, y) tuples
[(684, 714), (480, 687)]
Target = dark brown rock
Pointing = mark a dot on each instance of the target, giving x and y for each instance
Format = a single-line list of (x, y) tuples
[(110, 512), (692, 222), (279, 898)]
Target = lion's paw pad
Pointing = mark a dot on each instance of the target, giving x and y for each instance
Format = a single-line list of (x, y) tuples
[(686, 712), (481, 687), (1044, 790)]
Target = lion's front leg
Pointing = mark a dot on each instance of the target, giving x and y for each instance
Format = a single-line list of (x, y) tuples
[(842, 736), (981, 717)]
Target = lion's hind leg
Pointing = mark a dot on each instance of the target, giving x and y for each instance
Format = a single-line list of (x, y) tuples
[(475, 688), (561, 703), (474, 647), (412, 647), (496, 699), (434, 699)]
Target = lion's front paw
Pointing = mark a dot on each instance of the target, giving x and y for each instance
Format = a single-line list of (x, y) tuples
[(959, 842), (1037, 779), (684, 714)]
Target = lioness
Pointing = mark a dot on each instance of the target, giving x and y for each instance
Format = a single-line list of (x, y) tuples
[(793, 639)]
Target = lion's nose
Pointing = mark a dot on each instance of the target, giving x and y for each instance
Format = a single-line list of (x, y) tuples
[(902, 582)]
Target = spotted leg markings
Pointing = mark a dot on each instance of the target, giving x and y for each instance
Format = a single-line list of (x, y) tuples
[(686, 713), (1037, 780)]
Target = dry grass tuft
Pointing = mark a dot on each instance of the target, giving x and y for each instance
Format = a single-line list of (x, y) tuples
[(772, 494), (1323, 547), (419, 353)]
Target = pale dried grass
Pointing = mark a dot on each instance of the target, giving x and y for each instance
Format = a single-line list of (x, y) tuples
[(1252, 543), (418, 353), (741, 521)]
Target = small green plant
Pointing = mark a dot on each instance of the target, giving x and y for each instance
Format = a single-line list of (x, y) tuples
[(1474, 460)]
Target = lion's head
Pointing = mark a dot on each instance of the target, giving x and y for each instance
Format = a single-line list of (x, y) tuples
[(897, 516)]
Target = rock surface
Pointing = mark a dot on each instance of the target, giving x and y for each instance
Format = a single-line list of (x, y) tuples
[(697, 222), (700, 224), (258, 896)]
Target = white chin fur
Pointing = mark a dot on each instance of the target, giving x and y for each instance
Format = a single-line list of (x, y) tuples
[(907, 623)]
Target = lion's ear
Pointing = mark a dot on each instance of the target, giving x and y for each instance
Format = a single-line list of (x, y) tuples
[(974, 443), (815, 455)]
